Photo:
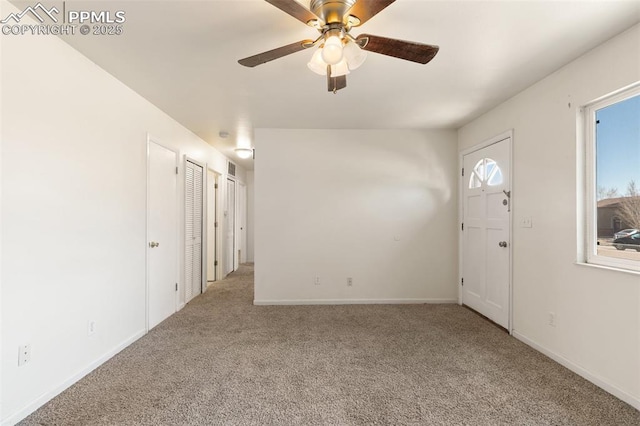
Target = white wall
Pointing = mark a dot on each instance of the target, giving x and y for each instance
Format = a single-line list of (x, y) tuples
[(73, 214), (598, 310), (331, 203), (250, 215)]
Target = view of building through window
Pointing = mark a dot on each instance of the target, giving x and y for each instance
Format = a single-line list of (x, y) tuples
[(618, 179)]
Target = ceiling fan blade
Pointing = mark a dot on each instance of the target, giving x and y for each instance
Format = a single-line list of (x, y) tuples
[(367, 9), (336, 83), (270, 55), (408, 50), (294, 9)]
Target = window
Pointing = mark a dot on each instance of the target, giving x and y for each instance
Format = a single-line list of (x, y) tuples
[(485, 171), (613, 180)]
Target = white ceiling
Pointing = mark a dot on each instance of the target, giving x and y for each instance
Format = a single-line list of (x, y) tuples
[(182, 56)]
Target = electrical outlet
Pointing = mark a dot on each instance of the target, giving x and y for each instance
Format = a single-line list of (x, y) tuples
[(526, 222), (91, 328), (552, 319), (24, 354), (349, 282), (317, 280)]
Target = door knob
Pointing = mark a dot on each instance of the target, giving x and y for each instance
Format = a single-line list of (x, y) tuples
[(153, 244), (502, 244)]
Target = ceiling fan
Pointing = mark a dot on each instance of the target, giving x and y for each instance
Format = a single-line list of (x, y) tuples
[(339, 51)]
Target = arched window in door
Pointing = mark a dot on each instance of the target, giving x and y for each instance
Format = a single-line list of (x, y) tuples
[(485, 171)]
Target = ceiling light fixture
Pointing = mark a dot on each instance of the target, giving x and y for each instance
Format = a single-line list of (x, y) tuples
[(316, 64), (244, 153), (352, 57), (332, 50), (334, 19)]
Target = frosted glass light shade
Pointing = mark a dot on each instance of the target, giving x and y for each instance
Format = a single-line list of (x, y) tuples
[(332, 50), (354, 55), (341, 68), (316, 64), (244, 152)]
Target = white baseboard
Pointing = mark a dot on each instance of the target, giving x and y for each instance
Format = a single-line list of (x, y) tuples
[(598, 381), (354, 301), (47, 396)]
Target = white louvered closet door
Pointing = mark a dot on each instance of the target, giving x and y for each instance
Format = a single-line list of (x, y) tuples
[(194, 175)]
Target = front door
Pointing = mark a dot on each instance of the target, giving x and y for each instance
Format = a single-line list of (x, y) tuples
[(486, 231), (162, 228)]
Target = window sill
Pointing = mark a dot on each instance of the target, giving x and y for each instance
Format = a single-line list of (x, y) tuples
[(609, 268)]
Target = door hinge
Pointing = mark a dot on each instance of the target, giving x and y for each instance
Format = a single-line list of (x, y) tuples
[(463, 171), (215, 186), (176, 169), (176, 286), (215, 224), (215, 263), (462, 227), (462, 281)]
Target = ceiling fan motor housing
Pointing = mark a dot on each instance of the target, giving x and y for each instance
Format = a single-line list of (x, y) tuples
[(331, 11)]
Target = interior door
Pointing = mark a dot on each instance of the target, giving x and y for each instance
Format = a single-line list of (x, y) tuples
[(162, 227), (194, 176), (486, 231), (230, 219)]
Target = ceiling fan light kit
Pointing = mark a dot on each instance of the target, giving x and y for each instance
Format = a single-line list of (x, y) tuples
[(354, 55), (352, 58), (340, 52), (316, 64), (332, 49), (339, 69)]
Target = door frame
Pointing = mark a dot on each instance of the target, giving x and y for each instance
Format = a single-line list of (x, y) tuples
[(461, 186), (152, 139), (216, 219), (234, 241), (203, 230)]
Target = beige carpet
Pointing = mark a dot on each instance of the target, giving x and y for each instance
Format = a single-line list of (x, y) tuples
[(223, 361)]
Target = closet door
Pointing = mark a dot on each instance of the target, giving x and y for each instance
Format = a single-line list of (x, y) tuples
[(194, 175)]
